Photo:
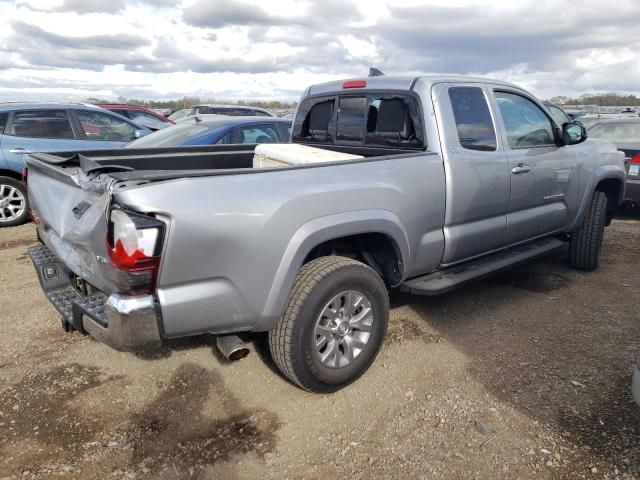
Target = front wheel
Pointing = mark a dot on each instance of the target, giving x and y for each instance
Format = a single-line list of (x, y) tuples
[(333, 326), (14, 208), (585, 246)]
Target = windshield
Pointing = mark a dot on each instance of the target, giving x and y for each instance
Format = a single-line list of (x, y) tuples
[(616, 132), (170, 137), (179, 114)]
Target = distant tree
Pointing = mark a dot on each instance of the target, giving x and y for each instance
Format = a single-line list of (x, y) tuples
[(186, 102), (611, 99)]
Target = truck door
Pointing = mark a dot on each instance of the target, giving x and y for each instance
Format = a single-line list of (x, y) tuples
[(477, 174), (541, 171)]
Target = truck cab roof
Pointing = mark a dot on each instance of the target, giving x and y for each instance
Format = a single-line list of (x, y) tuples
[(398, 83)]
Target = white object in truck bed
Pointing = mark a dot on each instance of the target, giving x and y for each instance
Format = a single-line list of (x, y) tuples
[(285, 154)]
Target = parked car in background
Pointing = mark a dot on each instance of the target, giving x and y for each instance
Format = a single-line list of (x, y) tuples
[(139, 114), (218, 129), (50, 127), (558, 114), (624, 132), (179, 114), (230, 110)]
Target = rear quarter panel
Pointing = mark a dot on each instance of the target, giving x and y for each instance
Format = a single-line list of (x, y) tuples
[(235, 242), (597, 160)]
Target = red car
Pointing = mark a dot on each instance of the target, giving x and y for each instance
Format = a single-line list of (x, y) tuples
[(138, 114)]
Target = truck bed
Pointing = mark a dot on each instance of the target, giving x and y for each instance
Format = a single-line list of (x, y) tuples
[(180, 162)]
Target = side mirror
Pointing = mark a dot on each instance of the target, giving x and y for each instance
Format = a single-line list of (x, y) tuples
[(140, 133), (573, 133)]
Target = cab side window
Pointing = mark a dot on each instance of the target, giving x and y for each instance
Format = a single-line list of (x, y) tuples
[(3, 121), (473, 119), (526, 124)]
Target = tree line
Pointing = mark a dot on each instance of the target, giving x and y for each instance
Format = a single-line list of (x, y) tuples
[(186, 102), (611, 99)]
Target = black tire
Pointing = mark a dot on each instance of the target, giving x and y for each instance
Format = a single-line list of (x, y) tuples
[(585, 246), (292, 340), (22, 188)]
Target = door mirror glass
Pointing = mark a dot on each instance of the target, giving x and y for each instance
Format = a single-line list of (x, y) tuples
[(573, 133)]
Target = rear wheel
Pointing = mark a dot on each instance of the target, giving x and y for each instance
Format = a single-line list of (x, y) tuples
[(333, 326), (585, 246), (13, 202)]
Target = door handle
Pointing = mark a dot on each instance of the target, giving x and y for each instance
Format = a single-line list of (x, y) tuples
[(521, 168), (20, 150)]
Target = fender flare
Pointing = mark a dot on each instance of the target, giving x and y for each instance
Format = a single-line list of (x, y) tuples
[(320, 230), (603, 172)]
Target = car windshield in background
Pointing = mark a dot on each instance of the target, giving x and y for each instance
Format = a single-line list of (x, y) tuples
[(170, 136), (616, 131), (179, 114), (228, 111)]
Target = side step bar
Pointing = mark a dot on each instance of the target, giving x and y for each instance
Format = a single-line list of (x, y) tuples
[(448, 279)]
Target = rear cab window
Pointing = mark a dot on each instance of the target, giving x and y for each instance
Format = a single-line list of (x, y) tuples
[(372, 119)]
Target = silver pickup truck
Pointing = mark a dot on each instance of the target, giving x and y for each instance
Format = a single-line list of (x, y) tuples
[(456, 178)]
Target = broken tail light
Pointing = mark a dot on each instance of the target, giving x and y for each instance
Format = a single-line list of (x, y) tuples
[(134, 243)]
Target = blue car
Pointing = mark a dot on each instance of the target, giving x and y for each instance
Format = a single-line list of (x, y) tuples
[(218, 129), (50, 127)]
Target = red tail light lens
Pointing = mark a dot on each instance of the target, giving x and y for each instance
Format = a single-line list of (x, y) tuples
[(354, 84), (635, 160), (134, 241)]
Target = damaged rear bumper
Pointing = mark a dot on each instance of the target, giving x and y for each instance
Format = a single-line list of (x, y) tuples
[(124, 322)]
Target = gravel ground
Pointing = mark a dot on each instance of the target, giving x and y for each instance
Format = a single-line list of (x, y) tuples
[(524, 375)]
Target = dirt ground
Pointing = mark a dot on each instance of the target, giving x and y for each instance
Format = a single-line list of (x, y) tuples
[(524, 375)]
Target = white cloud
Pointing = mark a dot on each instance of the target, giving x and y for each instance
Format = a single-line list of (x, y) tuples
[(157, 49)]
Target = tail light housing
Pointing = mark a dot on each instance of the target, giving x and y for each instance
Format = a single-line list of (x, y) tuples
[(134, 243), (635, 159)]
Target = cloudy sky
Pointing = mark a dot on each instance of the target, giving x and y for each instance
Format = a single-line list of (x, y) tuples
[(272, 49)]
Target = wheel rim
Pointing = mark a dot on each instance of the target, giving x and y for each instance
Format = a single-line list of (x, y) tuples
[(12, 203), (343, 329)]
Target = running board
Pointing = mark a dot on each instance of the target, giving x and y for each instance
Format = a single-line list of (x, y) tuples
[(449, 278)]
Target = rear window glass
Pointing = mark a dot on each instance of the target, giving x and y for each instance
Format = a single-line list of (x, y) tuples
[(41, 124), (351, 118), (376, 120), (3, 121), (473, 119), (313, 121)]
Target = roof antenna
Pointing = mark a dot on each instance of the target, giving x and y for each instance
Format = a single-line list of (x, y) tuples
[(374, 72)]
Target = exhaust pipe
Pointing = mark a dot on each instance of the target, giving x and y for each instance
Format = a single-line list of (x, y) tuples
[(232, 347)]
